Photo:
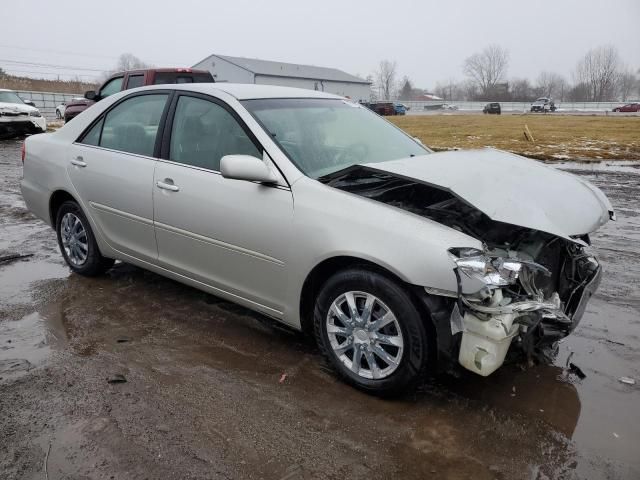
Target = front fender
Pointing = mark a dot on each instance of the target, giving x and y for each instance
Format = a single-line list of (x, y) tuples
[(331, 223)]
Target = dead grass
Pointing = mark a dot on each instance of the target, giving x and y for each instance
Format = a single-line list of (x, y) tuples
[(40, 85), (557, 137)]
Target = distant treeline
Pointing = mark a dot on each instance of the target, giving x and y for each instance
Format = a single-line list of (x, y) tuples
[(40, 85)]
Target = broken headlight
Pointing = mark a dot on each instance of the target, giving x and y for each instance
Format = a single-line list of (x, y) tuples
[(493, 271)]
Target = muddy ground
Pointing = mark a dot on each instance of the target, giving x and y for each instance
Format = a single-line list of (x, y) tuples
[(213, 391)]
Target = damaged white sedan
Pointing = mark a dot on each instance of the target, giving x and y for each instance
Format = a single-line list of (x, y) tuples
[(316, 212), (17, 117)]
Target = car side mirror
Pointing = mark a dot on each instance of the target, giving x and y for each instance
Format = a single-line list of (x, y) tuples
[(246, 167), (29, 102), (90, 95)]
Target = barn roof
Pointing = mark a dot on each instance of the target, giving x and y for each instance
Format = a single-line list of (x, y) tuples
[(281, 69)]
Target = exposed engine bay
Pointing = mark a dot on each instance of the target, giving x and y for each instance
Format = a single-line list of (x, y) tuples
[(525, 287)]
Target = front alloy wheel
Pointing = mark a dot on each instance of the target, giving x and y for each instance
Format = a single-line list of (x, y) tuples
[(372, 331), (365, 335)]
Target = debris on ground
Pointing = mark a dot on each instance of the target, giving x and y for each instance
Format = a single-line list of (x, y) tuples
[(627, 380), (527, 134), (573, 368), (117, 378), (14, 257), (283, 377)]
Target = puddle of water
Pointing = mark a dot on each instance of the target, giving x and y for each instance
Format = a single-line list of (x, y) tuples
[(28, 342), (17, 278), (605, 166)]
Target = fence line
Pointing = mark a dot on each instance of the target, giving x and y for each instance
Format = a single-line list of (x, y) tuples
[(419, 106), (47, 102)]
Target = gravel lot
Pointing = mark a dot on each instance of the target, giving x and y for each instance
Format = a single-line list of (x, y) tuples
[(214, 391)]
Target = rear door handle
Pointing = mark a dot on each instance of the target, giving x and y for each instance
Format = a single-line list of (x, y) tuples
[(79, 162), (167, 186)]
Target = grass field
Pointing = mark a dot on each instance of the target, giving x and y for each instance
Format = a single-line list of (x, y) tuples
[(556, 137)]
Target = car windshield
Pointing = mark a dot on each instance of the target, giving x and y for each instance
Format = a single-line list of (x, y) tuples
[(10, 97), (323, 136)]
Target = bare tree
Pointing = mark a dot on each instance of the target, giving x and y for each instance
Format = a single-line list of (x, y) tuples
[(627, 84), (372, 92), (386, 78), (599, 70), (128, 61), (521, 90), (550, 84), (406, 89), (487, 68)]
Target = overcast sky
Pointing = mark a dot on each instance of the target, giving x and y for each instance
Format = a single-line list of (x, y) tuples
[(428, 39)]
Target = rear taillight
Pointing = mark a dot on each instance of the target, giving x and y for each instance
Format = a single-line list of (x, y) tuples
[(23, 151)]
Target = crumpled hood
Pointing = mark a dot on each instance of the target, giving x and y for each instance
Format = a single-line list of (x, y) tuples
[(511, 189), (16, 108)]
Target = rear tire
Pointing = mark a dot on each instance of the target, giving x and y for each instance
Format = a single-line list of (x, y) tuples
[(389, 342), (77, 242)]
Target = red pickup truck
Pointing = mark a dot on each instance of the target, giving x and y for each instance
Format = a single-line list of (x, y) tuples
[(132, 79)]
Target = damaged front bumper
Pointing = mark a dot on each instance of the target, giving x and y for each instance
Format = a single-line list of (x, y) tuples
[(14, 126), (491, 320)]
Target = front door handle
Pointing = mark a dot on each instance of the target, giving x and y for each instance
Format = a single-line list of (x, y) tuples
[(167, 186), (79, 162)]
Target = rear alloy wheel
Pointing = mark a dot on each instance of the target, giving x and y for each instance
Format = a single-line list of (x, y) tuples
[(77, 242), (371, 332)]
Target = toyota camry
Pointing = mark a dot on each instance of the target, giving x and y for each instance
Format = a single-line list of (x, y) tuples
[(318, 213)]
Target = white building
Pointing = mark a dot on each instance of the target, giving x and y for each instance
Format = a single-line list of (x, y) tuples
[(264, 72)]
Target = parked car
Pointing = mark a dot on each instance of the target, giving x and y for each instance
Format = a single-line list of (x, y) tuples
[(399, 260), (493, 107), (383, 108), (60, 110), (629, 107), (543, 104), (400, 108), (133, 79), (18, 116)]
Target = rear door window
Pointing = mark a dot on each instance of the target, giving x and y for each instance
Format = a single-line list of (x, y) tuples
[(132, 126), (92, 137)]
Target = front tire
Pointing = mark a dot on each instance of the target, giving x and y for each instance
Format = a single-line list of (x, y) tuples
[(371, 332), (77, 242)]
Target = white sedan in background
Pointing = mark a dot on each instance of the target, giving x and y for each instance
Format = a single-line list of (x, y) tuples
[(317, 212), (62, 107), (60, 110), (18, 117)]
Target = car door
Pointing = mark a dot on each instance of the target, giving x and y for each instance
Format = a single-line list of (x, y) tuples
[(232, 235), (111, 167)]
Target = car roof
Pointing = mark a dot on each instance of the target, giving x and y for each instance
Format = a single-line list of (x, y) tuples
[(185, 70), (246, 91)]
